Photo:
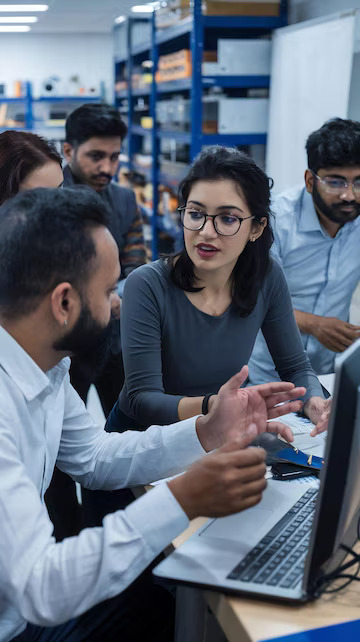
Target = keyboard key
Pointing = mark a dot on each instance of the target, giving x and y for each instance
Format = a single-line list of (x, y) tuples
[(279, 558)]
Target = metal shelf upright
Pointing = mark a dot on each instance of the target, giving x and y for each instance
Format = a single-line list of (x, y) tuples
[(190, 33)]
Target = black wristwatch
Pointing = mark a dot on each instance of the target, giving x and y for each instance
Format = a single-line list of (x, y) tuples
[(205, 404)]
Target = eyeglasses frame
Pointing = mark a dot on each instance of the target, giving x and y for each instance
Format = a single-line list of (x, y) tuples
[(212, 217), (346, 185)]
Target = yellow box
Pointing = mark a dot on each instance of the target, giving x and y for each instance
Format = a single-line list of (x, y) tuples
[(146, 122)]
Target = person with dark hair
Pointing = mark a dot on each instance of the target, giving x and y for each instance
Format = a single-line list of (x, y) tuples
[(317, 240), (93, 137), (189, 322), (59, 268), (27, 161)]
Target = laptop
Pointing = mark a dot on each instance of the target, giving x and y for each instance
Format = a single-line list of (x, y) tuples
[(284, 546)]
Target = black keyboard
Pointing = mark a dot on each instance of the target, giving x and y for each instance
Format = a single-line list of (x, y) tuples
[(279, 558)]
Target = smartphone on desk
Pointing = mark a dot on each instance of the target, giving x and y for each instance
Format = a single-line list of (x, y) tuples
[(284, 471)]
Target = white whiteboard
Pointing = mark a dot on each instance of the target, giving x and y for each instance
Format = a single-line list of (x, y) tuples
[(310, 83)]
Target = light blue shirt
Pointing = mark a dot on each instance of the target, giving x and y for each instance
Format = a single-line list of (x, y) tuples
[(322, 274), (42, 422)]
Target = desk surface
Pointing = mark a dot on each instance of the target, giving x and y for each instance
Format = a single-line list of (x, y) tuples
[(245, 620)]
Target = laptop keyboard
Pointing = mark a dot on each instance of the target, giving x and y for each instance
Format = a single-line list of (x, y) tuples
[(279, 558)]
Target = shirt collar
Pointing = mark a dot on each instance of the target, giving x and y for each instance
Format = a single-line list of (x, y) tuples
[(308, 218), (25, 373)]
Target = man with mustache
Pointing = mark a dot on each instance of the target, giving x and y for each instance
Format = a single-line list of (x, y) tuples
[(94, 135), (59, 269), (317, 241)]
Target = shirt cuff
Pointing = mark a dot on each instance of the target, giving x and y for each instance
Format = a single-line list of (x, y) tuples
[(181, 438), (158, 516)]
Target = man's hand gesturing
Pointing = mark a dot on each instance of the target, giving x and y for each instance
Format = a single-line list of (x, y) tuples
[(224, 482), (235, 409)]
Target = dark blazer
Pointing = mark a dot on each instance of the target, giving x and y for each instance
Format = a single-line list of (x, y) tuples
[(125, 224)]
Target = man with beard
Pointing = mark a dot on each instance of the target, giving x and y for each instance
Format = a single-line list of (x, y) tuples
[(59, 269), (317, 241), (94, 135)]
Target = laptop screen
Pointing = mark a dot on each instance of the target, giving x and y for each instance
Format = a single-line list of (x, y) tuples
[(338, 505)]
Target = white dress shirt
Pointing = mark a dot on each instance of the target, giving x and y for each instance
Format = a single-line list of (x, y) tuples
[(42, 422), (322, 273)]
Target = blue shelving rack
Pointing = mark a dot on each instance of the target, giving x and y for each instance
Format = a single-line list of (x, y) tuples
[(190, 33), (25, 100), (29, 101)]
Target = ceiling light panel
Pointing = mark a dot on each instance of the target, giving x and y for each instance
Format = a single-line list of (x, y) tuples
[(142, 8), (17, 19), (14, 28), (22, 8)]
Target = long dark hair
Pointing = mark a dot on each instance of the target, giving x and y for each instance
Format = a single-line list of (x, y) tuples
[(20, 154), (219, 163)]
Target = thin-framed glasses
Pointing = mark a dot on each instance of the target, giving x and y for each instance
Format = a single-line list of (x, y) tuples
[(225, 224), (334, 185)]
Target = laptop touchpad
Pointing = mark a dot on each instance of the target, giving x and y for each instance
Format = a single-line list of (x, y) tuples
[(248, 525), (252, 524)]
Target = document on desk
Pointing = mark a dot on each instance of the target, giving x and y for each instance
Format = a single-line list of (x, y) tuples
[(301, 427)]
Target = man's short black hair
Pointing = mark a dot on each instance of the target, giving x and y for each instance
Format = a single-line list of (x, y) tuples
[(45, 240), (91, 120), (335, 144)]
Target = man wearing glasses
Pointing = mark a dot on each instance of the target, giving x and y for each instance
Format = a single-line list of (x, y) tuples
[(317, 241)]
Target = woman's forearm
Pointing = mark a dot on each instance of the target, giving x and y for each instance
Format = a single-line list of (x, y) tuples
[(189, 407)]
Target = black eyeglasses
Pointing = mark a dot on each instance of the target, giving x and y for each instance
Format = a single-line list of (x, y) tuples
[(225, 224), (334, 185)]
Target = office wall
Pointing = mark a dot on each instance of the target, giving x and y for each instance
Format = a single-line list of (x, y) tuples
[(306, 9), (34, 57)]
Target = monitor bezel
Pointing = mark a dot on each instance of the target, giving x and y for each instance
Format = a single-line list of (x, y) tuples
[(325, 552)]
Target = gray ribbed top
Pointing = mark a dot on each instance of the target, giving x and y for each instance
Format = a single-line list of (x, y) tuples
[(171, 349)]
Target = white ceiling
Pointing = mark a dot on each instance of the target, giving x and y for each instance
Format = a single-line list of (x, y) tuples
[(89, 16)]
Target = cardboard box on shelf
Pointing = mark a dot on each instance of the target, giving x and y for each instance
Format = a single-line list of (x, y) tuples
[(244, 57), (166, 17), (176, 59), (241, 57), (243, 115), (243, 8), (211, 69), (229, 7), (178, 64), (174, 66), (176, 73), (146, 122)]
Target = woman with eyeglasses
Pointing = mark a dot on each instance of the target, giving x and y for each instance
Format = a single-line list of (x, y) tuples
[(190, 321), (27, 161)]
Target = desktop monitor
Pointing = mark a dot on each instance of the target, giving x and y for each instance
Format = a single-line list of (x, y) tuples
[(338, 507)]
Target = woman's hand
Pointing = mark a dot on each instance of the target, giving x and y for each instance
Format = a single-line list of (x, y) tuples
[(234, 409), (318, 411)]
